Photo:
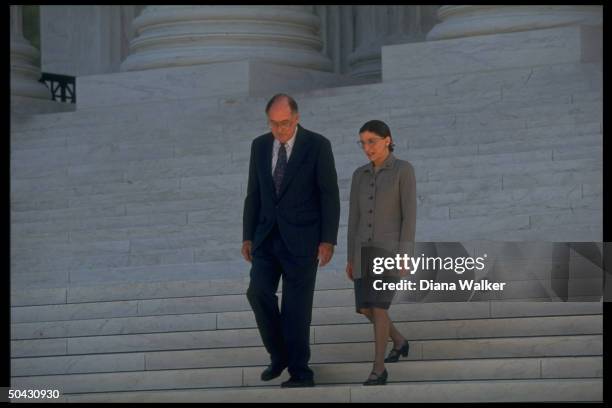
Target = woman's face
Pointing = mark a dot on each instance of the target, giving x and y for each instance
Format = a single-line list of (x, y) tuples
[(375, 147)]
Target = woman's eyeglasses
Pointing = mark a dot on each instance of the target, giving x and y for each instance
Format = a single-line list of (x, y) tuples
[(370, 142)]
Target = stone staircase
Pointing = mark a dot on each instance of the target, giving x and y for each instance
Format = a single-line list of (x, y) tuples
[(127, 283)]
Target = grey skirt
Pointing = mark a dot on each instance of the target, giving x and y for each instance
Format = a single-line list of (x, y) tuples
[(367, 297)]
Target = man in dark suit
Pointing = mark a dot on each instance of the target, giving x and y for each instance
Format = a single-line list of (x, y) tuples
[(290, 227)]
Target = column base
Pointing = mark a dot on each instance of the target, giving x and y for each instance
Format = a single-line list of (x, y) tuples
[(228, 79), (570, 44)]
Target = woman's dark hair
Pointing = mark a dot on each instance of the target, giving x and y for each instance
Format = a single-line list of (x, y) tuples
[(380, 128)]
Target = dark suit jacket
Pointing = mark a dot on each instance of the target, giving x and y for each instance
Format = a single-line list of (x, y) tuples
[(307, 208)]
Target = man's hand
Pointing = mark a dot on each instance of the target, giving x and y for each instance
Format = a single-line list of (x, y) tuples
[(246, 250), (326, 251), (349, 270)]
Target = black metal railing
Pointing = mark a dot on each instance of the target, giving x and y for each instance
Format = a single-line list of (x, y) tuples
[(62, 87)]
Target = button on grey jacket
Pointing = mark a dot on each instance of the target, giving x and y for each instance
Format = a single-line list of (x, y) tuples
[(382, 209)]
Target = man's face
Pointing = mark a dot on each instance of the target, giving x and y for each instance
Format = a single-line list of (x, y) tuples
[(282, 121)]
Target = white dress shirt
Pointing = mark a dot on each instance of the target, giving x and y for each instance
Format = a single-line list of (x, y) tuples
[(288, 149)]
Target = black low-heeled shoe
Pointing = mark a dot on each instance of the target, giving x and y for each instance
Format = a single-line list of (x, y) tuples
[(394, 354), (381, 379)]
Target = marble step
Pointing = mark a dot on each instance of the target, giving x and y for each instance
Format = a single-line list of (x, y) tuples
[(178, 249), (344, 163), (141, 134), (586, 216), (156, 266), (587, 212), (113, 181), (333, 373), (189, 143), (561, 233), (166, 264), (513, 201), (98, 269), (105, 222), (450, 137), (548, 390), (524, 195), (160, 258), (526, 210), (201, 207), (415, 146), (472, 88), (33, 225), (536, 156), (559, 143), (516, 347), (430, 90), (161, 306), (511, 169), (206, 237), (592, 231), (566, 76), (92, 174), (188, 135), (479, 329), (517, 208), (486, 102), (245, 319), (38, 270), (167, 283), (404, 118), (513, 78), (342, 296), (111, 139), (487, 227), (54, 158), (327, 278), (226, 233), (425, 123), (161, 191)]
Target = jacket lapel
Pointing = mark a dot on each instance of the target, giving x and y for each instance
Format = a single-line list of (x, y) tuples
[(300, 148), (267, 163)]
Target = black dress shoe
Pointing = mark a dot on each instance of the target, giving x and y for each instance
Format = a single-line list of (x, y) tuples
[(394, 354), (271, 372), (295, 383), (379, 379)]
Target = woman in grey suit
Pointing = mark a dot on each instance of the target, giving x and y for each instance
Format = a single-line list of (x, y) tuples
[(382, 209)]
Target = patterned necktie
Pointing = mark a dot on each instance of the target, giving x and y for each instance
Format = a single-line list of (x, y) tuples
[(279, 170)]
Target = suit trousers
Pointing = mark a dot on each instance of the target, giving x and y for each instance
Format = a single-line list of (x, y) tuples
[(285, 332)]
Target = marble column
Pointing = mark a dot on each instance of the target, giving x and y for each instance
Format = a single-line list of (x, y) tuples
[(85, 40), (168, 36), (24, 71), (331, 35), (376, 26), (466, 21)]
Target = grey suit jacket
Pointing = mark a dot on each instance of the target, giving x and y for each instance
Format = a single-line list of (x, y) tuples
[(382, 209)]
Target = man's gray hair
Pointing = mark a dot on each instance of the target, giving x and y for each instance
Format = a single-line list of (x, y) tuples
[(290, 100)]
